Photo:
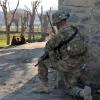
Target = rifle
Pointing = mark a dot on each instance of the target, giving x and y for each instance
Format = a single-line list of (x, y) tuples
[(51, 23), (45, 56), (65, 42)]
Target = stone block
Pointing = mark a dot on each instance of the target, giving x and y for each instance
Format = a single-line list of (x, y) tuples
[(78, 3)]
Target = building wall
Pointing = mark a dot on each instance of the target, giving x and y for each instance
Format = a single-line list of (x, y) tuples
[(85, 14)]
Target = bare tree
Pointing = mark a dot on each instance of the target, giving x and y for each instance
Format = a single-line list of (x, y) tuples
[(24, 21), (43, 20), (32, 14), (7, 12), (16, 21)]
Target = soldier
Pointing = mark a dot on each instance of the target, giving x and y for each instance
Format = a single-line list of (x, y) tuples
[(22, 39), (18, 41), (14, 41), (66, 52)]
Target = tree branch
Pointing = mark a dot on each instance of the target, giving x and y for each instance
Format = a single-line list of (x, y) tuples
[(13, 13)]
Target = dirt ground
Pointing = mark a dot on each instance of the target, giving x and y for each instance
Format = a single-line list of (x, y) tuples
[(18, 75)]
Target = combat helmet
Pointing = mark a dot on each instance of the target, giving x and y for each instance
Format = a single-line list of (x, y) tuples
[(59, 16)]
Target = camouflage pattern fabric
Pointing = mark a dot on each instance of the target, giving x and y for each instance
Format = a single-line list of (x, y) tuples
[(43, 70), (73, 55), (59, 16)]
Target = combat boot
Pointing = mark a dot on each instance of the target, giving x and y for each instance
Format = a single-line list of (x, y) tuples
[(86, 93), (42, 88)]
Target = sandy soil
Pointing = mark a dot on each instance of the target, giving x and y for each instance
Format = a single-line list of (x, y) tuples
[(18, 75)]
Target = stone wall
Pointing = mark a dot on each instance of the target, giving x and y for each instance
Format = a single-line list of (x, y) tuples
[(86, 15)]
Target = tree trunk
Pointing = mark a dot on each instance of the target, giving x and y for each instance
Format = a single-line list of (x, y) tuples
[(33, 37), (30, 34), (42, 26), (22, 29), (8, 35), (17, 28)]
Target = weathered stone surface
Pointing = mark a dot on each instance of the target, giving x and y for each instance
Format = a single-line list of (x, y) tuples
[(97, 18), (85, 20), (74, 18), (97, 3), (84, 3), (86, 15)]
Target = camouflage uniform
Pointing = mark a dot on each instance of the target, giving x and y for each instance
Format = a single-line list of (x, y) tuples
[(45, 64), (66, 60)]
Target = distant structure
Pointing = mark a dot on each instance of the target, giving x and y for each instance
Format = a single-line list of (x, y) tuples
[(86, 15)]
